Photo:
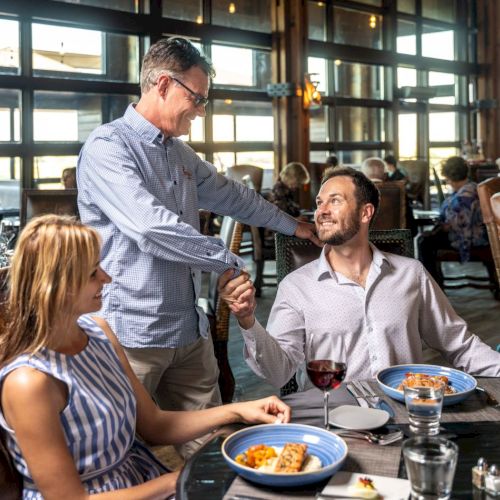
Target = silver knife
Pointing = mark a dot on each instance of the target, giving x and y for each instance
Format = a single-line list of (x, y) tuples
[(490, 399), (360, 399)]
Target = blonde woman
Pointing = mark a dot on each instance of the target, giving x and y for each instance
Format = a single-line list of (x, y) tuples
[(70, 403), (292, 177)]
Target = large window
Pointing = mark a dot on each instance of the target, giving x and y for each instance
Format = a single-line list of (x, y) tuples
[(78, 69), (392, 81)]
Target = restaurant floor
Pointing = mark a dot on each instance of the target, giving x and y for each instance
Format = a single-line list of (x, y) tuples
[(477, 307)]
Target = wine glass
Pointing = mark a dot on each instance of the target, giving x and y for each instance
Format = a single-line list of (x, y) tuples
[(323, 370)]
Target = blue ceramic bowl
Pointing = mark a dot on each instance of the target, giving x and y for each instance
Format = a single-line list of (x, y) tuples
[(463, 383), (329, 448)]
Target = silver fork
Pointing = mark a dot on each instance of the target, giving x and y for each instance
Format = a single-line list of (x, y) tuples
[(381, 439)]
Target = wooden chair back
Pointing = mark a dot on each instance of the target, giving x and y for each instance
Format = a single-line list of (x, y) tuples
[(218, 312), (237, 172), (418, 181), (489, 199), (48, 201), (10, 479), (392, 209), (292, 252)]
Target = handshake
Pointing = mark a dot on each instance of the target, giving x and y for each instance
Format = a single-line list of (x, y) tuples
[(239, 294)]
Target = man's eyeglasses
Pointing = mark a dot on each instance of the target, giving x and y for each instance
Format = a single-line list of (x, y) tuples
[(198, 99)]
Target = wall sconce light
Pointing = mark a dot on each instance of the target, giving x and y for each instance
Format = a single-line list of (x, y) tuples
[(232, 8), (311, 94), (373, 22)]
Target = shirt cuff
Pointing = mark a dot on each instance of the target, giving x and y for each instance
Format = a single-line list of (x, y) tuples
[(251, 335)]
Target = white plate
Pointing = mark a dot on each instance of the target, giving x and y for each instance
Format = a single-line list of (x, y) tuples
[(389, 488), (357, 418)]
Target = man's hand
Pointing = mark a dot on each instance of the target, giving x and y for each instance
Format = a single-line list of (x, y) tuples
[(307, 231), (239, 294)]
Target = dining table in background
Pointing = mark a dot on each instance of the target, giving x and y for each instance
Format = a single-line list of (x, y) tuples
[(473, 424)]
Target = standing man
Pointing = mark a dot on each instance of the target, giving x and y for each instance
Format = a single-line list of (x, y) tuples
[(141, 188)]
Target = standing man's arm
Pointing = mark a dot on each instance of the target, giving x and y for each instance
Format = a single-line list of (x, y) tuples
[(442, 329), (227, 197), (275, 358), (111, 182)]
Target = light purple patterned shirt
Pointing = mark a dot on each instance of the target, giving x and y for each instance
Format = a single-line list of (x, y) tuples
[(372, 328), (142, 192)]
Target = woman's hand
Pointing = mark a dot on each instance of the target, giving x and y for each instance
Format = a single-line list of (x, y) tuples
[(263, 411)]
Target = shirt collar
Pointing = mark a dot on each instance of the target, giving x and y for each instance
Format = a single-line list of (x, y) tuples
[(323, 268), (142, 127)]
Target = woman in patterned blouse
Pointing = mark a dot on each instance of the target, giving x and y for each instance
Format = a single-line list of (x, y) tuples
[(460, 225)]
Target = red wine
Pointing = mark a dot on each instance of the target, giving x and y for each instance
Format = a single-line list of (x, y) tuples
[(326, 374)]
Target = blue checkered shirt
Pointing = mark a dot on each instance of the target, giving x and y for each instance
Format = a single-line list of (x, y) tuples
[(142, 192)]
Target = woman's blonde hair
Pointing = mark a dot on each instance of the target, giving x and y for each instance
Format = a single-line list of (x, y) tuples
[(54, 258), (295, 171)]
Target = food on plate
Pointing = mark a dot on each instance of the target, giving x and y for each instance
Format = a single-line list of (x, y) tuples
[(364, 488), (292, 458), (422, 380), (257, 456)]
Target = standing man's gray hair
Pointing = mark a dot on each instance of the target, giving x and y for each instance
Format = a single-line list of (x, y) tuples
[(173, 56)]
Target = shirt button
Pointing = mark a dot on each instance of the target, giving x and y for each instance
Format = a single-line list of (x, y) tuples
[(374, 358)]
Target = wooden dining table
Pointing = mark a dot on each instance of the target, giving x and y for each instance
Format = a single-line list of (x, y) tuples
[(473, 425)]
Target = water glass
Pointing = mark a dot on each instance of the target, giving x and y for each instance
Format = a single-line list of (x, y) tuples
[(424, 405), (430, 464)]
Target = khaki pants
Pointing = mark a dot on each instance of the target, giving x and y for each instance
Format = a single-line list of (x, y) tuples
[(185, 378)]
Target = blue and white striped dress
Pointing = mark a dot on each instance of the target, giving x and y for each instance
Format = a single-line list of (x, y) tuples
[(99, 419)]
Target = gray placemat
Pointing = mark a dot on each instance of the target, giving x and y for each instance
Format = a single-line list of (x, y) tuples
[(473, 409), (362, 457)]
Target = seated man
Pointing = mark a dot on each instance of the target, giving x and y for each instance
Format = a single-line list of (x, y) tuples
[(355, 302)]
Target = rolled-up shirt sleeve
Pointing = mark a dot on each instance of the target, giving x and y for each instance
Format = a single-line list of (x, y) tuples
[(277, 353), (442, 329)]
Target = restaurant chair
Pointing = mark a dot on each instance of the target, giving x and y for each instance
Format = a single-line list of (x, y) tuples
[(489, 199), (292, 253), (258, 242), (316, 171), (479, 172), (48, 201), (391, 212), (238, 172), (439, 186), (485, 255), (218, 312), (418, 181), (10, 479)]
